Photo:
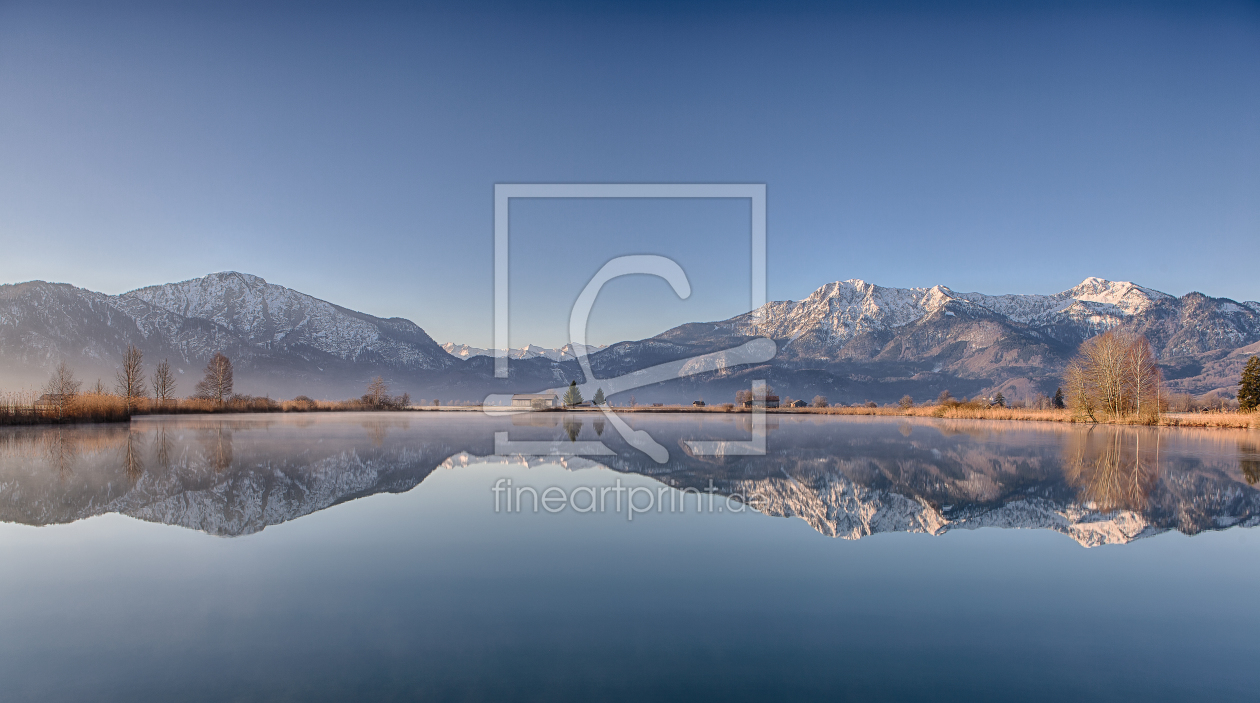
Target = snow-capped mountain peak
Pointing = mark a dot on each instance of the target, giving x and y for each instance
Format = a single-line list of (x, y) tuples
[(844, 309), (529, 351), (272, 316)]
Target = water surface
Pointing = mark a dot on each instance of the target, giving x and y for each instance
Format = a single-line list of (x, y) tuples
[(322, 557)]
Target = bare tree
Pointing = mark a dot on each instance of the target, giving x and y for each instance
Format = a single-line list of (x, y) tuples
[(62, 387), (1142, 379), (217, 384), (163, 383), (99, 388), (906, 402), (820, 401), (130, 379), (1114, 375), (377, 393)]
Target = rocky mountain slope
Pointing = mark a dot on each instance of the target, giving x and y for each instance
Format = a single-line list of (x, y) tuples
[(868, 341), (280, 341), (850, 341)]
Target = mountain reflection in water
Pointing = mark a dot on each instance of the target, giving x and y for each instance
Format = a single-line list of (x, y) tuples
[(847, 477)]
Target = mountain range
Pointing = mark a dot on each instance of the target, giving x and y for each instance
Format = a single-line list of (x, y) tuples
[(529, 351), (850, 341)]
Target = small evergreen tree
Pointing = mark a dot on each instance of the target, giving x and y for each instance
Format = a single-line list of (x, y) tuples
[(999, 400), (572, 396), (1058, 400), (1249, 386), (599, 398)]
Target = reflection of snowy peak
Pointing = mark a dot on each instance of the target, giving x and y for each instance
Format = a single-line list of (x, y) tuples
[(842, 508), (846, 478)]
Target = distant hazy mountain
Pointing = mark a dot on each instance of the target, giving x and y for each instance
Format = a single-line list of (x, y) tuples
[(850, 341), (529, 351)]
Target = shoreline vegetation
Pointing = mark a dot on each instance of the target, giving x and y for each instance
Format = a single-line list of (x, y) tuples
[(24, 409), (1207, 418), (1115, 379)]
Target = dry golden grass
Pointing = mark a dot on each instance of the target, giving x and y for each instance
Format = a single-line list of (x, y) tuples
[(22, 408), (968, 411)]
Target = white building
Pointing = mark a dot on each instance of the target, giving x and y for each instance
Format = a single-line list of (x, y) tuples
[(536, 401)]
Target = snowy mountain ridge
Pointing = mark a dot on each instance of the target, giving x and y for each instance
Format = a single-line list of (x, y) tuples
[(271, 316), (848, 340), (529, 351), (844, 309)]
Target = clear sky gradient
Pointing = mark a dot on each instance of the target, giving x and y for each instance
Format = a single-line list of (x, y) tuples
[(351, 151)]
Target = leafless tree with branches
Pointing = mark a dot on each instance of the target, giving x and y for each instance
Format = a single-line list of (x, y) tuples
[(129, 381), (163, 383), (62, 387), (377, 393), (217, 384), (1115, 375)]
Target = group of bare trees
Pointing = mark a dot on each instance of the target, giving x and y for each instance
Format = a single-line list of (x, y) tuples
[(1115, 376), (131, 384), (378, 396)]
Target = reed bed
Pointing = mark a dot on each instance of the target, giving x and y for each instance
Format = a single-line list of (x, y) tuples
[(968, 411), (25, 408)]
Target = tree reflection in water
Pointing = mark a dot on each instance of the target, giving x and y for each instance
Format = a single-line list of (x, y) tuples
[(1114, 468), (163, 448), (845, 477), (1249, 461), (216, 446), (132, 455), (572, 427), (61, 450), (379, 426)]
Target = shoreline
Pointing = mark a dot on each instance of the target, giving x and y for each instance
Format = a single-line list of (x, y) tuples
[(1209, 419), (1227, 420)]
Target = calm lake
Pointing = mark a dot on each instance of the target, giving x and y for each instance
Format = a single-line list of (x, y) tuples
[(396, 556)]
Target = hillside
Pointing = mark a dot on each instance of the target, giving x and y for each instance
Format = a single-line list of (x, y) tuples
[(849, 340)]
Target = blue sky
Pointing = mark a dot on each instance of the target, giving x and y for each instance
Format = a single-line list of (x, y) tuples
[(351, 153)]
